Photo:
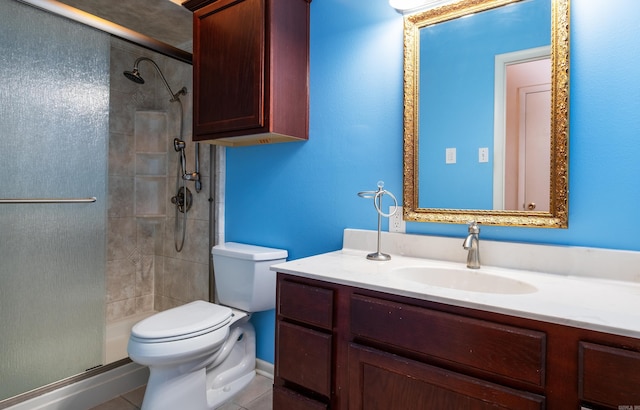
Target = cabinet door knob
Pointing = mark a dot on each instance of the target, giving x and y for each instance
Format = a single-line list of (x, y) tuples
[(531, 206)]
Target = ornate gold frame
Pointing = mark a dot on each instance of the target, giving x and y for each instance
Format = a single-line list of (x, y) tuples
[(557, 217)]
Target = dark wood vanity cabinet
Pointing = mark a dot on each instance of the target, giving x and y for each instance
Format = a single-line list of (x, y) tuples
[(342, 347), (304, 352), (250, 71)]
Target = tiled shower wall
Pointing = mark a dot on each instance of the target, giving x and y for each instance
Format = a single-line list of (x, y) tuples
[(144, 271)]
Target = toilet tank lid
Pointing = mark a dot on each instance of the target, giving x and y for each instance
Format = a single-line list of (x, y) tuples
[(249, 252)]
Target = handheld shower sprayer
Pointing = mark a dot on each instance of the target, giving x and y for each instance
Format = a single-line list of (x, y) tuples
[(179, 146)]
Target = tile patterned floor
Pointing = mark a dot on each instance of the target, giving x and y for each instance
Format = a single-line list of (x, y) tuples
[(257, 396)]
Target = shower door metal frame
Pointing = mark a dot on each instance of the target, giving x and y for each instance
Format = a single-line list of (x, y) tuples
[(112, 28), (47, 200)]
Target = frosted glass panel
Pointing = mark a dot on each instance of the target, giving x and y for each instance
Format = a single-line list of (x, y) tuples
[(54, 88)]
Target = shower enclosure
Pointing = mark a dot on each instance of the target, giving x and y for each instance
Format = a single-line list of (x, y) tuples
[(75, 270), (53, 176)]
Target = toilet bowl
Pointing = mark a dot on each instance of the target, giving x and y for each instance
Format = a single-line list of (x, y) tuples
[(201, 354)]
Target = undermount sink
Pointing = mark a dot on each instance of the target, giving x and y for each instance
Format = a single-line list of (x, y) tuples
[(462, 279)]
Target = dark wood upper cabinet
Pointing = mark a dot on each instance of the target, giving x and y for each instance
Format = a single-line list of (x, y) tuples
[(250, 71)]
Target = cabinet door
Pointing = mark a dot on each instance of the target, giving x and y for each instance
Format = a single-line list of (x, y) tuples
[(609, 376), (303, 357), (228, 63), (380, 380)]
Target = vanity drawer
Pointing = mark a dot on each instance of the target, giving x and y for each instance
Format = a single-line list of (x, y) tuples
[(507, 351), (305, 303), (609, 376), (303, 357)]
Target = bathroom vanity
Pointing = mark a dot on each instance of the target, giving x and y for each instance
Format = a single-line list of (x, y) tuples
[(350, 334)]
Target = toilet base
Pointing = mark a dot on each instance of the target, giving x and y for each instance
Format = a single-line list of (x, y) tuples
[(218, 396), (189, 387)]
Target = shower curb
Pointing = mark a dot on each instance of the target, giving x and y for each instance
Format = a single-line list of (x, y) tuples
[(103, 387), (90, 392)]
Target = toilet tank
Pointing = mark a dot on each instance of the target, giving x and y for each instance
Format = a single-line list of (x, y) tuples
[(243, 278)]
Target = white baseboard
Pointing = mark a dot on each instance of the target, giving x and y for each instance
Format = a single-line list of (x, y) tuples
[(264, 368), (90, 392)]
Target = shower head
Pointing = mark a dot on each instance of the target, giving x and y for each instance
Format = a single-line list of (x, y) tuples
[(134, 75)]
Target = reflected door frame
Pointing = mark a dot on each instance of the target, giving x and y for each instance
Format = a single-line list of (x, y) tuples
[(502, 61)]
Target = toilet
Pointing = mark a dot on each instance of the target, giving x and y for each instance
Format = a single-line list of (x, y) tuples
[(201, 354)]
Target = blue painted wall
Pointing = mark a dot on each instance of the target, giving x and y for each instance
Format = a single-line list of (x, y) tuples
[(300, 196)]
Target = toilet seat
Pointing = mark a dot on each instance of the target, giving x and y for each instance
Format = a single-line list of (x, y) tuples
[(183, 322)]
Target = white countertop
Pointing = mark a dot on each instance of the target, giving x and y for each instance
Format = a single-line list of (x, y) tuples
[(606, 305)]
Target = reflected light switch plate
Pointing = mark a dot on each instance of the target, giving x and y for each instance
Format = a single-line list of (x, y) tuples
[(483, 154), (450, 156)]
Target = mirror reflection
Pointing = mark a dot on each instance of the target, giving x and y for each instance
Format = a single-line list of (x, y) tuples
[(457, 87), (487, 135)]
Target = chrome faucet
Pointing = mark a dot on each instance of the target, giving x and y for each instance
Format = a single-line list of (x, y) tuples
[(472, 244)]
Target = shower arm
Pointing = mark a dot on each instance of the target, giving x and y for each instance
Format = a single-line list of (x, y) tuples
[(174, 96)]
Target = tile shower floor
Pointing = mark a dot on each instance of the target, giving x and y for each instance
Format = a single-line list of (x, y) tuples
[(257, 396)]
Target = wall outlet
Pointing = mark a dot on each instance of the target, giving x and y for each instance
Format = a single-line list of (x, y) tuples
[(396, 223)]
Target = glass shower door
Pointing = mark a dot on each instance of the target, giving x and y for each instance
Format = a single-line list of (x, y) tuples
[(54, 93)]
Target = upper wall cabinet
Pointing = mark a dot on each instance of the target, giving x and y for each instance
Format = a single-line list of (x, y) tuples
[(250, 71)]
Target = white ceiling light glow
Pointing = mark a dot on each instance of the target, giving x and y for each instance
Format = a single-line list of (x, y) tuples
[(412, 6)]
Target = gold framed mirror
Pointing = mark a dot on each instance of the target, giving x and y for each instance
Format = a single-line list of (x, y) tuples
[(487, 172)]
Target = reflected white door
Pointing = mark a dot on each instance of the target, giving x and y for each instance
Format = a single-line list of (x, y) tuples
[(514, 71), (534, 148)]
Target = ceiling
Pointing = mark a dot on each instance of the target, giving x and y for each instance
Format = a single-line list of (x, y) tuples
[(160, 19)]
